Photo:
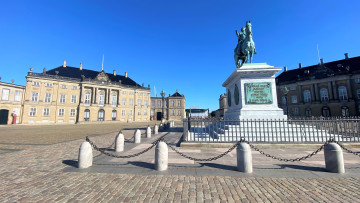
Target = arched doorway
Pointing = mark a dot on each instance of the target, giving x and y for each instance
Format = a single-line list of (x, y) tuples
[(4, 115), (101, 115)]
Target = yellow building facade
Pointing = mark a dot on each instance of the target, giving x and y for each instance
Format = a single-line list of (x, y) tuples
[(11, 97), (75, 95), (169, 108)]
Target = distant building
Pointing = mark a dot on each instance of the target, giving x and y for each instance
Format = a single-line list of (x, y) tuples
[(173, 106), (197, 113), (326, 89), (11, 102), (220, 113), (75, 95)]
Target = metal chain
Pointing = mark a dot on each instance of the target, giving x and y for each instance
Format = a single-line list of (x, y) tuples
[(208, 159), (348, 150), (291, 160), (103, 151)]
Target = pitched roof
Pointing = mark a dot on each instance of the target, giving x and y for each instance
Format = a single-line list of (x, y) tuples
[(76, 73), (319, 71), (176, 94)]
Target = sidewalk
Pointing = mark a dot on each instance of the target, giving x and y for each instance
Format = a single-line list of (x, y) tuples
[(47, 174)]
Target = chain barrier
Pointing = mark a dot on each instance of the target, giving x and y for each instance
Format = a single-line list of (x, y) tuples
[(348, 150), (208, 159)]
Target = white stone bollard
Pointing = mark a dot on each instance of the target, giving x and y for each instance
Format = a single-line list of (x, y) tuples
[(172, 123), (137, 137), (119, 143), (334, 159), (161, 156), (148, 132), (156, 129), (244, 158), (85, 158)]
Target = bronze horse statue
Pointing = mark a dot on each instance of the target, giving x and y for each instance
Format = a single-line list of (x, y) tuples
[(245, 47)]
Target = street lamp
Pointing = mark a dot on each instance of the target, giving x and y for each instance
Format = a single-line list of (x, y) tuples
[(285, 91), (162, 93)]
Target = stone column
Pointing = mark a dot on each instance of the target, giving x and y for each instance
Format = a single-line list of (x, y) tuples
[(137, 137), (335, 90), (330, 91), (119, 143), (161, 156), (316, 92), (312, 90), (244, 158), (334, 160), (82, 94), (350, 92), (118, 98), (148, 132), (301, 97), (85, 158)]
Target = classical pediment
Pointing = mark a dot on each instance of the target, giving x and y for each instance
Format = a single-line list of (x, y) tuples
[(102, 76)]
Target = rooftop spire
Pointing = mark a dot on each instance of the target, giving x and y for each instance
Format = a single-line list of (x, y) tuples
[(102, 64)]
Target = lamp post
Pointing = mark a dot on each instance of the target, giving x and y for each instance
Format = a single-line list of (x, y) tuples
[(285, 91), (162, 93)]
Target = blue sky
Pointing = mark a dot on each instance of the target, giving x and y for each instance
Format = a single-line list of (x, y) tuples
[(184, 45)]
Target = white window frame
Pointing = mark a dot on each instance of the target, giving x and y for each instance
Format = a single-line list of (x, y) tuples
[(113, 100), (130, 112), (324, 95), (87, 98), (32, 111), (74, 87), (139, 102), (47, 98), (63, 86), (123, 112), (343, 96), (46, 111), (131, 102), (179, 102), (17, 96), (145, 112), (101, 98), (113, 112), (293, 99), (145, 102), (48, 84), (34, 96), (307, 96), (35, 83), (62, 98), (72, 112), (179, 113), (73, 99), (5, 94), (139, 113), (61, 112), (123, 101)]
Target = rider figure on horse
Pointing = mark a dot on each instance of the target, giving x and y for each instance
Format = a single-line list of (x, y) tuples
[(245, 47)]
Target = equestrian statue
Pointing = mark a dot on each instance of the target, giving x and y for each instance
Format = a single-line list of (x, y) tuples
[(245, 47)]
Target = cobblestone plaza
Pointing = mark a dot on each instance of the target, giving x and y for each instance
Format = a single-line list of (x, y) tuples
[(44, 171)]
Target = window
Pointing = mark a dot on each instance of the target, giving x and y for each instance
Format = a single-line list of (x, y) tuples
[(179, 102), (74, 87), (32, 111), (63, 86), (145, 112), (139, 112), (86, 115), (159, 103), (345, 111), (130, 112), (36, 83), (113, 115), (343, 93), (325, 111), (17, 95), (153, 103), (73, 99), (293, 88), (307, 96), (87, 97), (295, 111), (62, 98), (123, 102), (61, 112), (101, 98), (48, 84), (131, 93), (34, 97), (357, 80), (308, 112), (131, 102), (123, 92), (145, 102), (324, 96), (5, 94), (72, 112), (123, 112), (47, 97), (113, 100), (294, 99), (139, 102), (46, 112), (101, 115), (179, 113), (172, 103), (173, 112), (358, 93), (283, 99)]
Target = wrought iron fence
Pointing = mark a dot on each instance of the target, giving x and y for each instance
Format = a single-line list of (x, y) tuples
[(294, 130)]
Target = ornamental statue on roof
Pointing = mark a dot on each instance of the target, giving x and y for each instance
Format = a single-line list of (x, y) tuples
[(245, 47)]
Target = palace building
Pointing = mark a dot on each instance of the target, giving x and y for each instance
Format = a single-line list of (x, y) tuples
[(169, 108), (11, 103), (326, 89), (75, 95)]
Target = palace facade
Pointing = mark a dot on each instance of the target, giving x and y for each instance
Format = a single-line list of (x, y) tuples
[(169, 108), (326, 89), (11, 103), (75, 95)]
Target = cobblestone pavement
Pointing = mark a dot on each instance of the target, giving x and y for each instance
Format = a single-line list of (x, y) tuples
[(46, 174)]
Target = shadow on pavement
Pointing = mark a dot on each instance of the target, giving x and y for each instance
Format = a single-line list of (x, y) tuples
[(72, 163), (142, 164), (219, 166), (305, 168)]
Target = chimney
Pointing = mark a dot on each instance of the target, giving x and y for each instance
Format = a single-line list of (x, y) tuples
[(12, 81), (64, 64), (322, 61), (114, 72), (285, 68), (31, 69), (300, 66), (346, 55), (149, 86), (177, 90), (44, 70), (80, 66), (125, 74), (143, 84)]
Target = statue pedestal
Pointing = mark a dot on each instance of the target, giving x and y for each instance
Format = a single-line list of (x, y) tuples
[(251, 93)]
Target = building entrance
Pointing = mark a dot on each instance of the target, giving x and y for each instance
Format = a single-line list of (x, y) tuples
[(4, 115), (158, 116)]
